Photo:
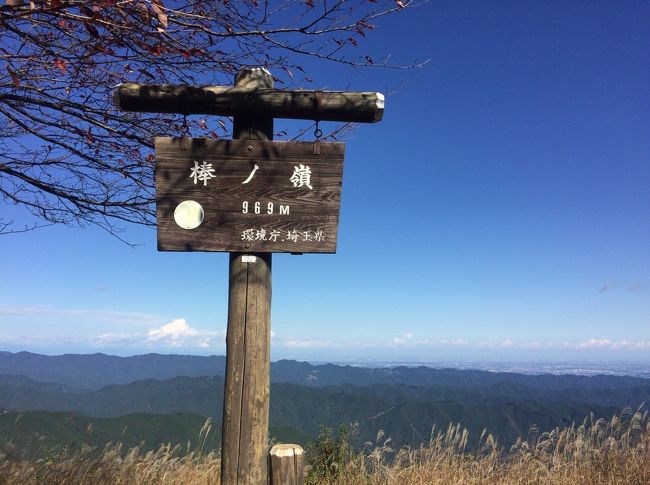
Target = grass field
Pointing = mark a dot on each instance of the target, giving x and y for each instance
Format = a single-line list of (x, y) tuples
[(597, 451)]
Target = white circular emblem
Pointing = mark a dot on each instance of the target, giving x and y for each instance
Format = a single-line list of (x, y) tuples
[(188, 214)]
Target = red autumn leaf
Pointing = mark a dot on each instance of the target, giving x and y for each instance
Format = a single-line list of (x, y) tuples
[(213, 134), (185, 54), (14, 77), (310, 3), (61, 24), (353, 42), (89, 136), (55, 3), (360, 30), (156, 50), (60, 63)]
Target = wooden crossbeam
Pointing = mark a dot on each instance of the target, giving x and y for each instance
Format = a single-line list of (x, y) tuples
[(250, 102)]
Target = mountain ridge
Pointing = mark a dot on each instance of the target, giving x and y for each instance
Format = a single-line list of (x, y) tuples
[(94, 371), (406, 413)]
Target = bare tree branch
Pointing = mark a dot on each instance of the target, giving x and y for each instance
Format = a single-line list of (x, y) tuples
[(68, 157)]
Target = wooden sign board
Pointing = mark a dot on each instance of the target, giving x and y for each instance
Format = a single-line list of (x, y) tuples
[(248, 195)]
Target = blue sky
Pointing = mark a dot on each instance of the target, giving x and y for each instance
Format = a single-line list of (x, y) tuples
[(501, 210)]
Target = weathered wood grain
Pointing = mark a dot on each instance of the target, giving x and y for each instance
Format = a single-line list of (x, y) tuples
[(244, 445), (235, 369), (253, 440), (313, 213), (249, 101), (246, 396)]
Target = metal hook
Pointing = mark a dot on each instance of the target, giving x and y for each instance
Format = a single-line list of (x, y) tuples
[(185, 133), (317, 133)]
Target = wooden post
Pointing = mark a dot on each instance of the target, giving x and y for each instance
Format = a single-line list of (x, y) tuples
[(244, 456), (287, 465), (244, 445)]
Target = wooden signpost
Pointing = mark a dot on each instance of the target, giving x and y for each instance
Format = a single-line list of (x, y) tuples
[(247, 195), (251, 197)]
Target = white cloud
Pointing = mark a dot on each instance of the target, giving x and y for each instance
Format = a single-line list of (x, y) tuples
[(88, 315), (533, 344), (179, 333), (174, 330), (306, 343), (408, 340), (112, 338), (405, 339), (455, 342), (603, 343), (594, 343)]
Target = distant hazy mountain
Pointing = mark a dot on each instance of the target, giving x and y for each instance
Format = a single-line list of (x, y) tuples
[(290, 371), (404, 402), (95, 371), (406, 413)]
